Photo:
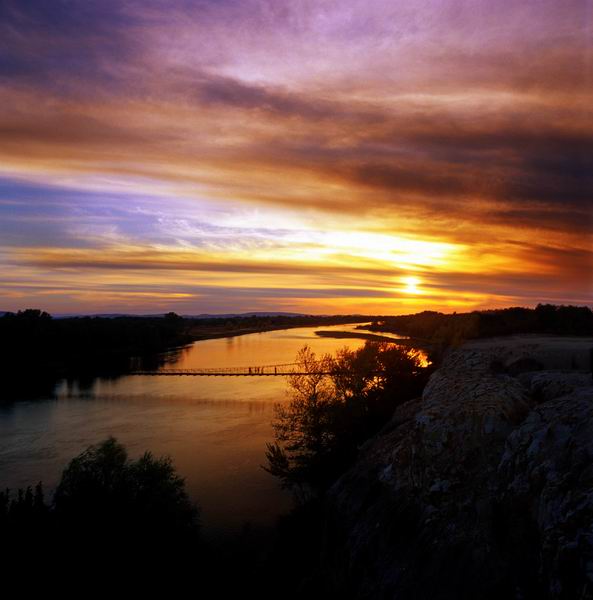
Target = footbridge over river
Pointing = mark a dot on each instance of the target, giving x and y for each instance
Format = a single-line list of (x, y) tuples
[(279, 370)]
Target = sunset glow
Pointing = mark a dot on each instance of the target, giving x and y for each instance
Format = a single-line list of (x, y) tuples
[(313, 156), (411, 285)]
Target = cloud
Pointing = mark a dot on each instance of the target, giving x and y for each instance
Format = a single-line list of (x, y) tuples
[(461, 123)]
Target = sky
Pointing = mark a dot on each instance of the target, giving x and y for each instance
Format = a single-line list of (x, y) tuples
[(319, 156)]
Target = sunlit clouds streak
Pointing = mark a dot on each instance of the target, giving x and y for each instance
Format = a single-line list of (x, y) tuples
[(320, 156)]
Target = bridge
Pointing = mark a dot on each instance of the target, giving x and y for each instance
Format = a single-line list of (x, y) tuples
[(280, 370)]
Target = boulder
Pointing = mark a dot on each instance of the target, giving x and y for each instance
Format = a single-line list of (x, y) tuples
[(463, 495), (546, 496)]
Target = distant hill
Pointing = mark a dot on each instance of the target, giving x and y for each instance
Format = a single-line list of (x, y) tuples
[(247, 314)]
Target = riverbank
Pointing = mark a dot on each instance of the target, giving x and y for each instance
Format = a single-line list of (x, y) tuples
[(211, 333), (372, 337), (377, 337), (81, 348)]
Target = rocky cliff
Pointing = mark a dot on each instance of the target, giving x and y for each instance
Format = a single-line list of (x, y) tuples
[(483, 488)]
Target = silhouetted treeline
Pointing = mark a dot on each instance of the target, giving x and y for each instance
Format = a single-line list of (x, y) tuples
[(35, 338), (451, 329), (107, 512), (36, 349), (206, 327), (336, 404), (63, 347)]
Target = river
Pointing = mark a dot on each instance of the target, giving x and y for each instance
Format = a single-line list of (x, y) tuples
[(214, 428)]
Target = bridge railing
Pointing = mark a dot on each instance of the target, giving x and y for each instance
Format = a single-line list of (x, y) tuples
[(277, 369)]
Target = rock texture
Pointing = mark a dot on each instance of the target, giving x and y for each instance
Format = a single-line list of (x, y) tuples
[(546, 476), (481, 489)]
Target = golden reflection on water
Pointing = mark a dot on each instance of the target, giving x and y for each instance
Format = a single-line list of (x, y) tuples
[(214, 428), (271, 347)]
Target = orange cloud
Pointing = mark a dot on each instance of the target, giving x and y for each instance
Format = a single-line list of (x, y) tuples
[(454, 143)]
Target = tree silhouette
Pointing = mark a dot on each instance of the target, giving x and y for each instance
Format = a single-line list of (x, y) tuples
[(108, 512), (335, 404), (105, 496)]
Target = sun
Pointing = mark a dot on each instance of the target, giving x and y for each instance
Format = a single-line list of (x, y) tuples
[(411, 285)]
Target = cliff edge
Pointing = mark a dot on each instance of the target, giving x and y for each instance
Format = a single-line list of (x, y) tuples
[(481, 489)]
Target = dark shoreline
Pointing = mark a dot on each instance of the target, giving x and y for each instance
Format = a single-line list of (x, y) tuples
[(375, 337), (112, 363), (201, 337)]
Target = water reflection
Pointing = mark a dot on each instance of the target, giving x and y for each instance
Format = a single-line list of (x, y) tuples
[(215, 429)]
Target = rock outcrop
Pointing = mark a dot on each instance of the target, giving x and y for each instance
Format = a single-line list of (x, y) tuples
[(481, 489)]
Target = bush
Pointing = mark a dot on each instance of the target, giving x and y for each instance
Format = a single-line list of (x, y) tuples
[(108, 513), (103, 495)]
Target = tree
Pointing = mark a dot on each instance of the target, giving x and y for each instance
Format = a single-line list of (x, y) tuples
[(335, 404), (303, 428), (115, 502), (111, 519)]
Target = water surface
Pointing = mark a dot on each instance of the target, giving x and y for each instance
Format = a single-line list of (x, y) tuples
[(214, 428)]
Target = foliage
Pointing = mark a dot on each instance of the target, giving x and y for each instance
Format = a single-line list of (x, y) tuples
[(107, 505), (140, 500), (24, 515), (73, 346), (335, 404), (85, 347), (453, 329)]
